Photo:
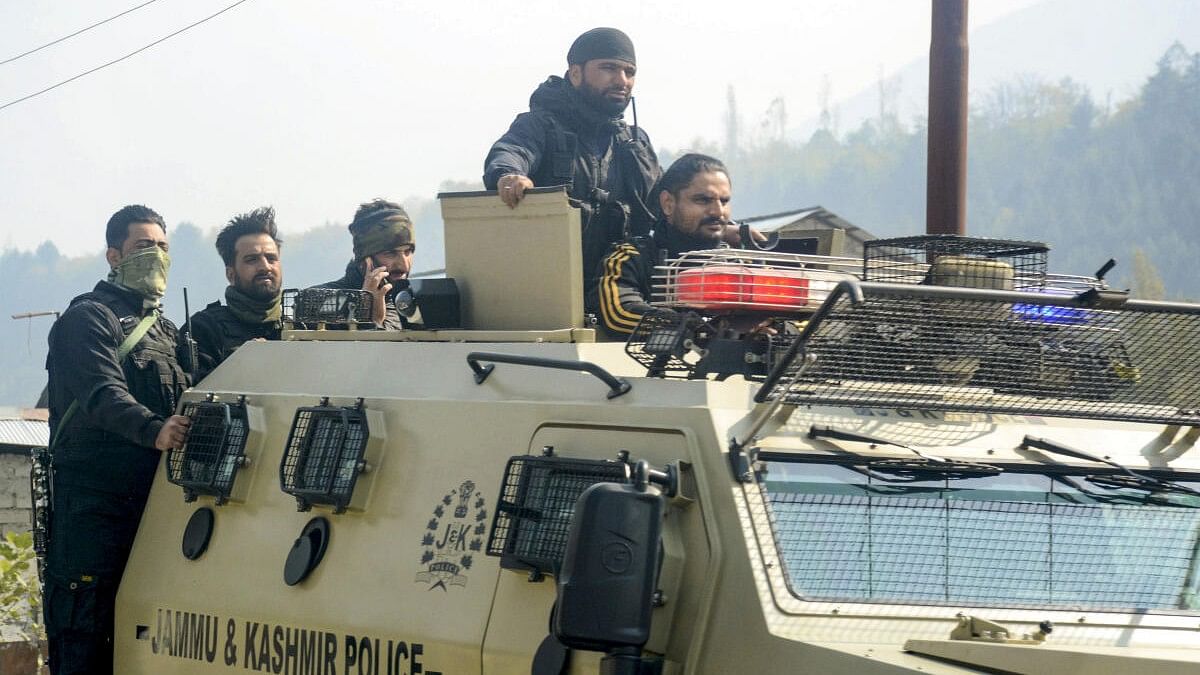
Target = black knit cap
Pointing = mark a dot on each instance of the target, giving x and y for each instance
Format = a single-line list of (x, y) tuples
[(601, 43)]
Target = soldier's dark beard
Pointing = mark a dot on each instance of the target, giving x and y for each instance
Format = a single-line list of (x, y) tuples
[(257, 292), (595, 99)]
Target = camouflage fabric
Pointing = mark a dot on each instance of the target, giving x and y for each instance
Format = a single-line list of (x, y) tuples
[(382, 231), (144, 272)]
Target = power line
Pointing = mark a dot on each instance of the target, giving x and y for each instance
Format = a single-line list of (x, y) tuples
[(81, 30), (122, 58)]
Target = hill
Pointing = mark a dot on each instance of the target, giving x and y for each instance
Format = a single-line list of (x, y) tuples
[(1107, 46)]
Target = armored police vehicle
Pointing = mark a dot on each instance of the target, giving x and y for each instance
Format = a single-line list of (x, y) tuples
[(938, 458)]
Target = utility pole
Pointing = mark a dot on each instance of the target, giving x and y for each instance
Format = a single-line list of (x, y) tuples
[(946, 181)]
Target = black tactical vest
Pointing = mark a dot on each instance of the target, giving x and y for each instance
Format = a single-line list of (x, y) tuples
[(153, 374)]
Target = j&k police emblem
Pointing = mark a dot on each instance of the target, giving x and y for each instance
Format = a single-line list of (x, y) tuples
[(453, 537)]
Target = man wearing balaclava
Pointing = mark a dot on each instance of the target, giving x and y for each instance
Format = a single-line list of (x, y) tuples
[(384, 244), (574, 134), (114, 383), (249, 246)]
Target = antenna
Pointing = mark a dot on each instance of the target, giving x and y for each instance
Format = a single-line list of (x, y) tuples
[(190, 367), (633, 104), (29, 327)]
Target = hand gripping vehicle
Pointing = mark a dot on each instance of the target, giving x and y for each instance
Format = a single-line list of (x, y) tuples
[(938, 459)]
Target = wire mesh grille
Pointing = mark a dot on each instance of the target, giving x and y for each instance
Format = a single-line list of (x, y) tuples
[(207, 464), (1019, 353), (926, 546), (662, 342), (537, 500), (310, 307), (726, 279), (324, 456), (948, 260)]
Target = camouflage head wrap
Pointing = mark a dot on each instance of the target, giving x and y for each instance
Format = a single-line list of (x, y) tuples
[(381, 230)]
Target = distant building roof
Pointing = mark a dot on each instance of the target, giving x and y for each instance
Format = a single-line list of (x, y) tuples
[(24, 427), (813, 218), (24, 433)]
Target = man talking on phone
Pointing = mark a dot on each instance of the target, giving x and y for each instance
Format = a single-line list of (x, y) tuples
[(383, 251)]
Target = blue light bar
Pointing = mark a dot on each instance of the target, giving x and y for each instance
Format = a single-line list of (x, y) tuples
[(1063, 316)]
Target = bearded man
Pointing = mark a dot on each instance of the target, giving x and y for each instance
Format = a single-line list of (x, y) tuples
[(249, 246), (114, 383), (384, 242), (574, 135), (694, 198)]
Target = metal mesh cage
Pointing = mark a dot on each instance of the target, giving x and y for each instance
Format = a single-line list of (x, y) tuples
[(324, 456), (949, 260), (216, 448), (1022, 541), (537, 500), (318, 307), (727, 279), (897, 346), (662, 342)]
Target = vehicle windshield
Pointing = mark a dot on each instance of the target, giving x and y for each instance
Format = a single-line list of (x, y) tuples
[(854, 533)]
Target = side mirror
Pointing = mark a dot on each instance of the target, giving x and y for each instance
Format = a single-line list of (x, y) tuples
[(609, 572)]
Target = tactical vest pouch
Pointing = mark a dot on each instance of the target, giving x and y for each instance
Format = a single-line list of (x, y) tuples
[(562, 158), (153, 377)]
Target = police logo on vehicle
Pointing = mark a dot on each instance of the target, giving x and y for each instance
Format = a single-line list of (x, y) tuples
[(453, 537)]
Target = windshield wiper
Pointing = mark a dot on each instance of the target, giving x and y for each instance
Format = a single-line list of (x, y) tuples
[(1082, 495), (911, 469), (1131, 479)]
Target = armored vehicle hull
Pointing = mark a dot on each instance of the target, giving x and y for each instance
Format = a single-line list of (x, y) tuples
[(796, 535)]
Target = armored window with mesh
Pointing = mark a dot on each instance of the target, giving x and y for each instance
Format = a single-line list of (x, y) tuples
[(324, 456), (1019, 539), (536, 504), (989, 351), (208, 463)]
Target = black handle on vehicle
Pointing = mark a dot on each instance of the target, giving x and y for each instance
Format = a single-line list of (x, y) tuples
[(616, 385)]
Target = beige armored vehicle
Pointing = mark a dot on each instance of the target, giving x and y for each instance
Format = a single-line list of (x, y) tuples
[(939, 458)]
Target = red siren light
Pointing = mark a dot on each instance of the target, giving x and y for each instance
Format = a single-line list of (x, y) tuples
[(737, 287)]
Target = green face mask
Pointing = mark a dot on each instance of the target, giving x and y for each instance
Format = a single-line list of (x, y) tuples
[(143, 272)]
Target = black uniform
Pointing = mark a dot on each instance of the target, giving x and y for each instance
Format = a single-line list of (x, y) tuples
[(625, 277), (218, 333), (104, 463), (395, 319), (563, 141)]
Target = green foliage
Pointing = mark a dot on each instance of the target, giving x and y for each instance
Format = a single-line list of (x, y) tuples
[(20, 592), (1147, 282)]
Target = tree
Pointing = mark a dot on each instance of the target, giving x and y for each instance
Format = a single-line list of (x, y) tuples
[(1147, 282), (731, 126)]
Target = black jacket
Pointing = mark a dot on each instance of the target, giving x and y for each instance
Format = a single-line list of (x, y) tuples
[(562, 141), (353, 280), (218, 333), (109, 442), (625, 277)]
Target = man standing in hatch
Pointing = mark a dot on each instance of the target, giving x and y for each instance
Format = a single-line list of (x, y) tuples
[(574, 135)]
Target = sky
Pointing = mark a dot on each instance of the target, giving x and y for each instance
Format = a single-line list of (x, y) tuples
[(316, 105)]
